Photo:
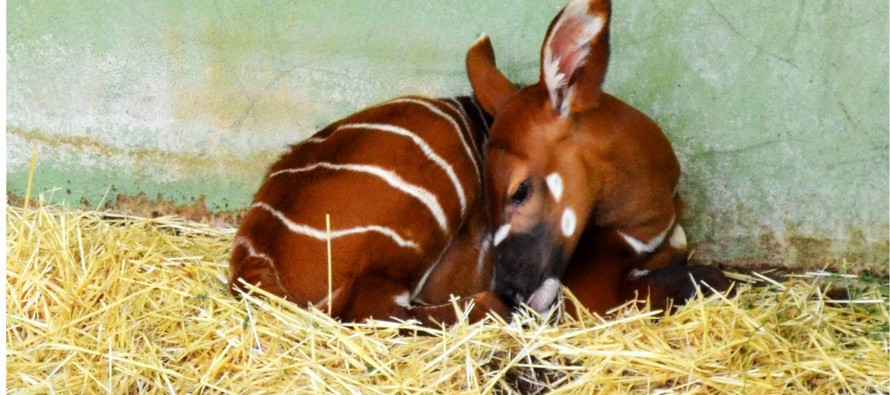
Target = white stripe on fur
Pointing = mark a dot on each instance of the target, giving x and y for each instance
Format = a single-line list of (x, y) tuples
[(455, 106), (245, 242), (641, 247), (483, 252), (321, 235), (424, 147), (323, 303), (481, 114), (426, 275), (501, 234), (251, 251), (454, 124), (391, 178)]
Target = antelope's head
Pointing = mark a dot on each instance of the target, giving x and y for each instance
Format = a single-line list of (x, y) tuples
[(538, 183)]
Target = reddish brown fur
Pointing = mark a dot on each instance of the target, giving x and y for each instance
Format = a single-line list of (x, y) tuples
[(369, 269), (618, 169)]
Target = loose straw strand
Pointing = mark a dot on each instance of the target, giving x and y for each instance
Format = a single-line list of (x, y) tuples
[(327, 218), (30, 184)]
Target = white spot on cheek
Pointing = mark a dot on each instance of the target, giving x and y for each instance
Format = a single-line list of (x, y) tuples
[(403, 299), (568, 222), (501, 234), (554, 183)]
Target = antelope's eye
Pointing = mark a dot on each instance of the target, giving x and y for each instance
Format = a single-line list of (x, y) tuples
[(521, 194)]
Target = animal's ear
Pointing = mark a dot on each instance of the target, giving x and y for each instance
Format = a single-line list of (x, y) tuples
[(575, 55), (491, 87)]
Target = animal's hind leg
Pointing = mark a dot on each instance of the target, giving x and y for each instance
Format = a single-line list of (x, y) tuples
[(673, 249), (666, 277), (603, 274), (384, 298), (674, 285), (672, 252), (482, 303), (465, 268), (377, 297)]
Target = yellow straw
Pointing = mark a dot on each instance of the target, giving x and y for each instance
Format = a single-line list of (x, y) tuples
[(327, 218), (30, 179), (158, 290)]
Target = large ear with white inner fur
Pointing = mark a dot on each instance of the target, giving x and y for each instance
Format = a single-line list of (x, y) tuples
[(575, 55), (491, 87)]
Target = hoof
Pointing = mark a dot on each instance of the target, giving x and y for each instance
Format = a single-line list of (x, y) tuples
[(679, 283)]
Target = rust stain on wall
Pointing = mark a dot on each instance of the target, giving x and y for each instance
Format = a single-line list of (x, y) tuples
[(234, 167), (142, 206), (796, 251)]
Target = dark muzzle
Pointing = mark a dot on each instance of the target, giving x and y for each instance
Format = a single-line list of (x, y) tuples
[(523, 261)]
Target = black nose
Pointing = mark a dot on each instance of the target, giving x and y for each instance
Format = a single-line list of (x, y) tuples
[(513, 297)]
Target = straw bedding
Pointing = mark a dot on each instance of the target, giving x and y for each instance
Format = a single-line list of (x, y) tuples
[(105, 303)]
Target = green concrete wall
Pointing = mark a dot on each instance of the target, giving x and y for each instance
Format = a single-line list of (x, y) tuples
[(778, 109)]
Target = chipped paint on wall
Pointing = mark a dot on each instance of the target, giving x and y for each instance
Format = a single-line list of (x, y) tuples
[(778, 110)]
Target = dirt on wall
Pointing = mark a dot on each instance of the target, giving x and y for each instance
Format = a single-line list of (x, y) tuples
[(142, 206), (795, 253)]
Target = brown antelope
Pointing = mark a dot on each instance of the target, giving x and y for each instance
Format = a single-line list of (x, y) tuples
[(581, 187), (402, 183)]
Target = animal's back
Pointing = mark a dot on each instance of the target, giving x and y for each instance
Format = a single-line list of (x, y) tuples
[(634, 151), (397, 179)]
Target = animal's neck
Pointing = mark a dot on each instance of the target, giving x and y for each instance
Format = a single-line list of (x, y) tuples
[(479, 120), (596, 169)]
